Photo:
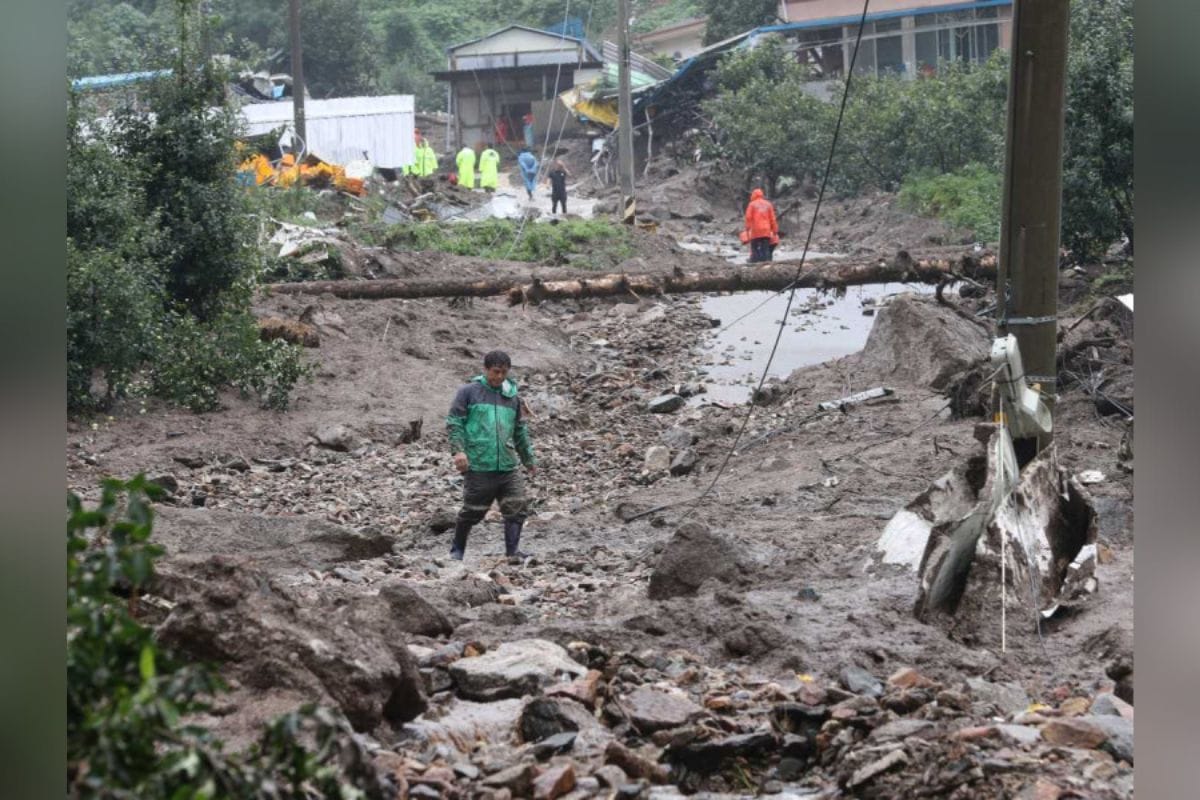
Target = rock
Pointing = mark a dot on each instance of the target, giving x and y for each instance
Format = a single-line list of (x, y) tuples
[(518, 779), (166, 482), (584, 690), (335, 437), (349, 653), (683, 462), (412, 612), (1108, 705), (1075, 732), (267, 542), (665, 404), (544, 717), (711, 754), (677, 438), (554, 745), (1120, 736), (948, 698), (349, 575), (917, 340), (909, 678), (875, 768), (1019, 734), (612, 776), (465, 769), (654, 709), (513, 669), (798, 718), (554, 782), (858, 680), (693, 555), (635, 765), (658, 458), (903, 729), (1008, 698), (442, 521)]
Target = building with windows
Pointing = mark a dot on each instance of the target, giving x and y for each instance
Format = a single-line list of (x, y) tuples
[(907, 37)]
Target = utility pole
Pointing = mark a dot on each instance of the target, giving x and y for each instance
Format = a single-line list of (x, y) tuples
[(625, 118), (1027, 284), (297, 71)]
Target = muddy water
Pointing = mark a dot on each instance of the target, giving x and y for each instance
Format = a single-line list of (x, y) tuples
[(820, 327), (733, 251)]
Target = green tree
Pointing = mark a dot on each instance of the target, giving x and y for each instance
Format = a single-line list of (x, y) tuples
[(1098, 147), (341, 51), (730, 17)]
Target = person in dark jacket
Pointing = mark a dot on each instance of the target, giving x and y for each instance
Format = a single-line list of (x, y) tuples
[(557, 178), (489, 440)]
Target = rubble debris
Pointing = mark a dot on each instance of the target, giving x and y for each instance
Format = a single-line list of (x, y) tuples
[(270, 328), (856, 398), (513, 669), (693, 555)]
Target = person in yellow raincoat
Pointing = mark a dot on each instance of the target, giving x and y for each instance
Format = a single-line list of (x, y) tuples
[(465, 161), (489, 166)]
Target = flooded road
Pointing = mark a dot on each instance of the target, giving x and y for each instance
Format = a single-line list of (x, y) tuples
[(820, 327)]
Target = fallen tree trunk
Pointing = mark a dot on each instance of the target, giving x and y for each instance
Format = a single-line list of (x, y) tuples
[(772, 277)]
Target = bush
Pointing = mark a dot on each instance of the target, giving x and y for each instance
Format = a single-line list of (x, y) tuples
[(968, 198), (128, 699), (600, 243)]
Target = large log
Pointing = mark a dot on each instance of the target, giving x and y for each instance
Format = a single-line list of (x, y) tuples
[(771, 277)]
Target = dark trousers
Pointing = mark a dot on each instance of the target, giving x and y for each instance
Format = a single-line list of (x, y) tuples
[(481, 489), (760, 249), (557, 198)]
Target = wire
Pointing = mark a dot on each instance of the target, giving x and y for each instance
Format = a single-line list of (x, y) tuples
[(799, 270)]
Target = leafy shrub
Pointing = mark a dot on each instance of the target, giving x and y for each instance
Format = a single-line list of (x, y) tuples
[(968, 198), (128, 699)]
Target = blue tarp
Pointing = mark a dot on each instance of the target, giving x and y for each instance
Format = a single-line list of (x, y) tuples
[(119, 79)]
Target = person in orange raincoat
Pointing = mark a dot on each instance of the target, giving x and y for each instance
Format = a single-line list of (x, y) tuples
[(761, 228)]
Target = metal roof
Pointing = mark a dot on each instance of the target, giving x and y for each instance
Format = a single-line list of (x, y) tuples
[(588, 49)]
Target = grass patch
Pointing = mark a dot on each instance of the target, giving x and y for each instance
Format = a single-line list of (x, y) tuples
[(968, 198), (591, 244)]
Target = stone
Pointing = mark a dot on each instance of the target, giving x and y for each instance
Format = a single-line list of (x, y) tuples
[(611, 775), (1120, 736), (513, 669), (553, 782), (916, 340), (658, 458), (349, 575), (683, 462), (1019, 734), (798, 718), (909, 678), (1074, 732), (902, 729), (693, 555), (711, 754), (442, 521), (465, 769), (166, 482), (948, 698), (335, 437), (677, 438), (858, 680), (875, 768), (544, 717), (584, 690), (654, 709), (413, 613), (1008, 698), (518, 779), (635, 765), (554, 745), (665, 404), (1109, 705), (1074, 706)]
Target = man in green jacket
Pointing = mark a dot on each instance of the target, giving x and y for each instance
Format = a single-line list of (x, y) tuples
[(488, 438), (465, 161), (425, 163)]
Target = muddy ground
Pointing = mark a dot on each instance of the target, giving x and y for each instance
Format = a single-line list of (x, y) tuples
[(742, 645)]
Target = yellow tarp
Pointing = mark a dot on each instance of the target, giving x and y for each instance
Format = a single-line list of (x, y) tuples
[(602, 111), (288, 173)]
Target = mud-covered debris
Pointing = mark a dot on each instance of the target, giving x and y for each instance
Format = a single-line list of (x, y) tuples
[(634, 764), (693, 555), (665, 404), (658, 458), (544, 717), (335, 437), (291, 331), (859, 681), (684, 462), (554, 782), (517, 779), (651, 709), (412, 612), (677, 438), (714, 754), (1007, 698), (892, 760)]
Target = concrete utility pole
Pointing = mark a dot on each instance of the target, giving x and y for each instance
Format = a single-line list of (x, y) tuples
[(297, 70), (625, 118), (1032, 208)]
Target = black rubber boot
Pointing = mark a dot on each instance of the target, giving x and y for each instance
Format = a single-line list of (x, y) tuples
[(512, 540), (459, 547)]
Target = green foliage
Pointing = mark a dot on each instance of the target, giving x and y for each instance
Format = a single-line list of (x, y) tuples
[(668, 13), (1098, 157), (968, 198), (589, 243), (341, 58), (128, 700), (767, 124), (161, 258), (730, 17)]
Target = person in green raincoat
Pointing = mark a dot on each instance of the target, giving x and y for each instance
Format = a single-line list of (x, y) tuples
[(465, 160), (425, 161), (489, 166)]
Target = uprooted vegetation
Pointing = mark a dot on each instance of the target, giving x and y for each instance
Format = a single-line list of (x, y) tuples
[(591, 244)]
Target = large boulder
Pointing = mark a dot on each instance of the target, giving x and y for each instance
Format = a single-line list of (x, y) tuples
[(273, 543), (412, 613), (328, 644), (513, 669), (693, 555), (918, 341)]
